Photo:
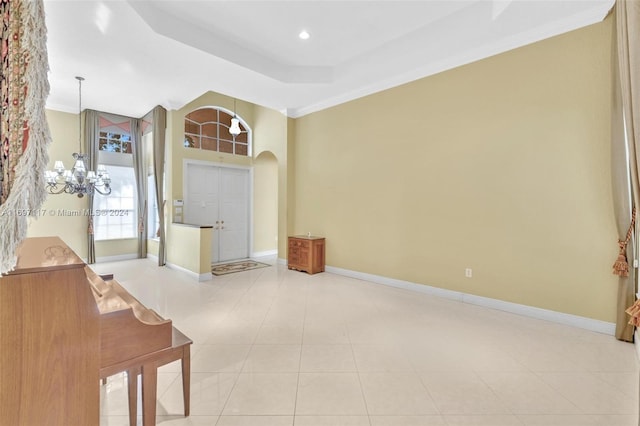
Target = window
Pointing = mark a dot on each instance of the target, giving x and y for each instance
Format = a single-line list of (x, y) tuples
[(115, 215), (208, 129), (115, 142)]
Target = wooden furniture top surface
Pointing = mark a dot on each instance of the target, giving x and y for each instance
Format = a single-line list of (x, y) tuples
[(128, 329), (110, 297), (306, 237), (44, 254)]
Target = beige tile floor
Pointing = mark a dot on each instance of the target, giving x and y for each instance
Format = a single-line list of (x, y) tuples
[(276, 347)]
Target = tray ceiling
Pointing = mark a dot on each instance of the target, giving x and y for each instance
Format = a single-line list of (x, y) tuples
[(137, 54)]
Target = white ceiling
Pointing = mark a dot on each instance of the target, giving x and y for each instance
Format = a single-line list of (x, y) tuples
[(137, 54)]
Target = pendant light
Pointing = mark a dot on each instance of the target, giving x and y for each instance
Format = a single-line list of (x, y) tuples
[(235, 123)]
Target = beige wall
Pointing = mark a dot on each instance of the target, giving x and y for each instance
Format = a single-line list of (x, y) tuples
[(501, 166), (60, 212), (152, 247), (181, 250), (115, 248), (265, 203)]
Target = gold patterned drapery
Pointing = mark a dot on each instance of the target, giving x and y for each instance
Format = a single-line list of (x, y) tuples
[(24, 131), (13, 130)]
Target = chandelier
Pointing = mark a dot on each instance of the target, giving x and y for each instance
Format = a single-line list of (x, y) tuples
[(78, 180)]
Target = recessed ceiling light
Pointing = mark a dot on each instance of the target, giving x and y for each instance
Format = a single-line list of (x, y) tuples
[(304, 35)]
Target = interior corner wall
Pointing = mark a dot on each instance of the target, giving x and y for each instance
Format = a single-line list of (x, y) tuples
[(290, 206), (265, 203), (501, 166)]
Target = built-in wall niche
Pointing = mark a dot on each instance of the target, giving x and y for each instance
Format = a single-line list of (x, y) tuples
[(208, 129)]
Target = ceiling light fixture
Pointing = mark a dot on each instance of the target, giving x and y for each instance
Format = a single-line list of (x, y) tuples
[(78, 180), (235, 123), (304, 35)]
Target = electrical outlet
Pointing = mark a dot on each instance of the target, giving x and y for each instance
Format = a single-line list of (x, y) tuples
[(468, 272)]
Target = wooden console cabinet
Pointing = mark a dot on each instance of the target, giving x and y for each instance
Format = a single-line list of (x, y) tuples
[(49, 339), (306, 254)]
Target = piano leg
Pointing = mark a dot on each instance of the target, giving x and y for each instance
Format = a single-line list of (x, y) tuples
[(132, 385), (149, 388)]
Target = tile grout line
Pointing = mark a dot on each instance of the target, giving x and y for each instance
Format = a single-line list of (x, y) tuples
[(304, 321), (239, 373)]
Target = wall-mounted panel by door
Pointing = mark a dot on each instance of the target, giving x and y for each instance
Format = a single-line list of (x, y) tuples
[(219, 196)]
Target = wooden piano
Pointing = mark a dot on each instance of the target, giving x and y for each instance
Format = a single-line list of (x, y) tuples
[(63, 328)]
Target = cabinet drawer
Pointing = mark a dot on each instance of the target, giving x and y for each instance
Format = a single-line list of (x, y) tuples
[(299, 243)]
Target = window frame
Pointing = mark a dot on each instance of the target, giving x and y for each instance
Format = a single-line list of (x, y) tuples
[(115, 159), (219, 137)]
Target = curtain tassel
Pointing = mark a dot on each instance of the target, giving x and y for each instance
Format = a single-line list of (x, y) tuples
[(621, 266), (634, 311)]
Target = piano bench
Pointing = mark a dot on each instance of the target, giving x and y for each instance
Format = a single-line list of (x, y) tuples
[(147, 366)]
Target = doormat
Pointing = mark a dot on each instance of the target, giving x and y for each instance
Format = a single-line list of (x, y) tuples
[(231, 267)]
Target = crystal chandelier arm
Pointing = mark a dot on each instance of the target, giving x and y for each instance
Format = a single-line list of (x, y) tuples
[(106, 192), (53, 189)]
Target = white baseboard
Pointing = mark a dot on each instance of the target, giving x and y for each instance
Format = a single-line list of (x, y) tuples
[(104, 259), (282, 261), (199, 277), (264, 253), (515, 308)]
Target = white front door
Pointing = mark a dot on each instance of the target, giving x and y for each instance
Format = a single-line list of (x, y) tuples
[(201, 204), (234, 214), (219, 196)]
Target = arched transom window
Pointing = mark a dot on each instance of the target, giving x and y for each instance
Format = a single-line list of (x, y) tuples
[(208, 128)]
